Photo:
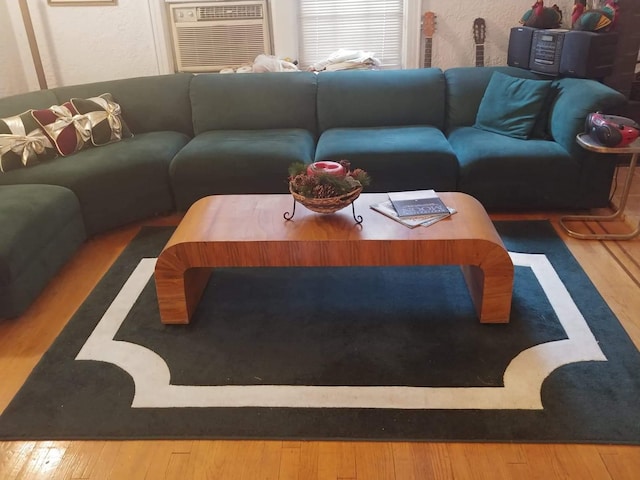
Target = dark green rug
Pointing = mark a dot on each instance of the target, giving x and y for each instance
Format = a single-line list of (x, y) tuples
[(340, 353)]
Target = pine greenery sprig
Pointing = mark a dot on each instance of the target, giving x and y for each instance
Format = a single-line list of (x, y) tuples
[(297, 168), (323, 185)]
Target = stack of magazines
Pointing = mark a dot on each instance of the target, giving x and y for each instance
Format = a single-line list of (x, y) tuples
[(414, 208)]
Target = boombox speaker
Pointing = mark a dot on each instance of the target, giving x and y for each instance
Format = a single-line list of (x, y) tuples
[(519, 47), (588, 54), (611, 130)]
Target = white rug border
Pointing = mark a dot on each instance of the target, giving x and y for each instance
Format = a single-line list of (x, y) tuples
[(523, 377)]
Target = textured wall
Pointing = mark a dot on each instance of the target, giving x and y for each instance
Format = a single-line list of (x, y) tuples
[(80, 44), (88, 43), (12, 76)]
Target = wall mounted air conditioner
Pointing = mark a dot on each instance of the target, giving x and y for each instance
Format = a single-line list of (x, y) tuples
[(210, 36)]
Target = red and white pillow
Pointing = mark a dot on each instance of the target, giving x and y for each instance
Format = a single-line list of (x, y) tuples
[(66, 129), (81, 123), (37, 135)]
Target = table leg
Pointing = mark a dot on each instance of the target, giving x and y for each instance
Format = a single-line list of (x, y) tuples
[(179, 293), (606, 218), (491, 291)]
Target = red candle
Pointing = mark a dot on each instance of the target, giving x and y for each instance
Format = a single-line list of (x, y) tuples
[(328, 167)]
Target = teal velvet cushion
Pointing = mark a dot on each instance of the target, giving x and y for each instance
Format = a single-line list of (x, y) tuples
[(238, 161), (541, 128), (509, 173), (381, 98), (397, 158), (510, 106), (41, 229), (269, 101)]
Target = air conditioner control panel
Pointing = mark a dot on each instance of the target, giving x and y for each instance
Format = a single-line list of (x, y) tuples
[(185, 15)]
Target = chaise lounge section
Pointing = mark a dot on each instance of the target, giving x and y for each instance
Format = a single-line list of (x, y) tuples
[(41, 230)]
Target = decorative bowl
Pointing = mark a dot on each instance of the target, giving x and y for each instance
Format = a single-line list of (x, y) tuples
[(327, 205)]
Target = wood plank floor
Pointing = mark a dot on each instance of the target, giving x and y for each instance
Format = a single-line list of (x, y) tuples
[(614, 268)]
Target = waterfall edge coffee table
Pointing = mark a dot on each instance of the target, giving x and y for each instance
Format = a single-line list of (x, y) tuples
[(250, 231)]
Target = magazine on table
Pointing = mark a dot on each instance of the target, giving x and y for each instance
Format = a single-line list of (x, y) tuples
[(386, 208), (417, 202)]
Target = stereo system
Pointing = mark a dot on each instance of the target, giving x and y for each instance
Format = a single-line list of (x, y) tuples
[(572, 53)]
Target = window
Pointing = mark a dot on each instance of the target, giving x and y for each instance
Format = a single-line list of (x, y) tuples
[(370, 25)]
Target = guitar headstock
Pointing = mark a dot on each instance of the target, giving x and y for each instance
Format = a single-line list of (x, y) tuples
[(428, 24), (479, 31)]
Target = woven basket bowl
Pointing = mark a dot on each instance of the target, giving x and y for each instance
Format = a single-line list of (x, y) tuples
[(327, 205)]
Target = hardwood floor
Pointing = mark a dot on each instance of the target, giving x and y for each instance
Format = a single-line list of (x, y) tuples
[(614, 268)]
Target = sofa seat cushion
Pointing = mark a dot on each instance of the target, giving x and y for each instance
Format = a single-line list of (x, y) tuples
[(41, 229), (116, 183), (396, 158), (238, 161), (504, 172)]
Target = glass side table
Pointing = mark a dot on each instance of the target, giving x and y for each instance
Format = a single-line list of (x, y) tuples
[(586, 142)]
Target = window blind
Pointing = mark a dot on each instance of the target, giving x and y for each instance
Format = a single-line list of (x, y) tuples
[(370, 25)]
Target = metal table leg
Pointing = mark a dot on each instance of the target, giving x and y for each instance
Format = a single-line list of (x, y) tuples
[(606, 218)]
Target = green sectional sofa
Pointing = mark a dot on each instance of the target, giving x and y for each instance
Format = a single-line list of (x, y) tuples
[(198, 135)]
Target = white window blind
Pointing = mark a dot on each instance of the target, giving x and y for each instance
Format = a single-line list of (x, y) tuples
[(370, 25)]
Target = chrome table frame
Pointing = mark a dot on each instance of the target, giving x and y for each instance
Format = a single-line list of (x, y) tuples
[(587, 143)]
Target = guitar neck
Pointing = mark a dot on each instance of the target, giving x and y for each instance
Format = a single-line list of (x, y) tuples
[(480, 55), (428, 27), (479, 32), (428, 43)]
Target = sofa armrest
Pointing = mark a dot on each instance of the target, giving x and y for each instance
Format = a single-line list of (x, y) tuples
[(575, 99)]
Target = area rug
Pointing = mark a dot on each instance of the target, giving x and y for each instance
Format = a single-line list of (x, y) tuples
[(393, 353)]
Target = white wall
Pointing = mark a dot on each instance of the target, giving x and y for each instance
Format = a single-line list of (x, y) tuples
[(13, 78), (80, 44)]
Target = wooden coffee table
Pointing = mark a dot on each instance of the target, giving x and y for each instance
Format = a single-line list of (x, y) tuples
[(250, 231)]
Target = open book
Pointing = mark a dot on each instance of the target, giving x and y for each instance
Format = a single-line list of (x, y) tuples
[(386, 208), (417, 202)]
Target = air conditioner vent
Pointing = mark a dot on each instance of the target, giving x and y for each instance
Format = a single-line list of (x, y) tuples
[(220, 46), (227, 12)]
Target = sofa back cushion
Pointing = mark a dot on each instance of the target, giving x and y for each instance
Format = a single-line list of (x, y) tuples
[(380, 98), (246, 101), (17, 104), (148, 104), (511, 106), (465, 89)]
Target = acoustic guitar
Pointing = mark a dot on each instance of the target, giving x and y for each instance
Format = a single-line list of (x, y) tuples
[(428, 29), (479, 33)]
